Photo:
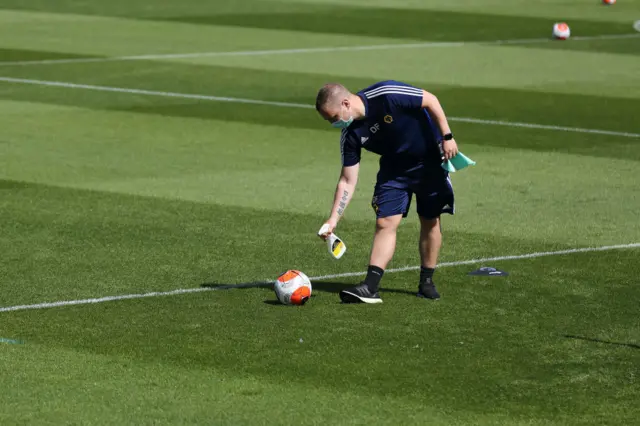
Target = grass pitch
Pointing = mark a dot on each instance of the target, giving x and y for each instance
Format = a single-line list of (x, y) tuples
[(107, 193)]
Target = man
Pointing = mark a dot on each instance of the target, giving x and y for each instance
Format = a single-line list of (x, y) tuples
[(407, 127)]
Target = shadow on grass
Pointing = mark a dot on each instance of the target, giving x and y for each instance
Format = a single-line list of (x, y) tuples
[(274, 302), (323, 286), (337, 287), (13, 184), (607, 342), (220, 286)]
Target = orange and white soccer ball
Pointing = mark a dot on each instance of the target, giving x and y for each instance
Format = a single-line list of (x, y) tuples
[(293, 288), (561, 31), (609, 1)]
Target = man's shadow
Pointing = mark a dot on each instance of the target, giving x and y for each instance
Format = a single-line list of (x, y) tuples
[(337, 287), (317, 286)]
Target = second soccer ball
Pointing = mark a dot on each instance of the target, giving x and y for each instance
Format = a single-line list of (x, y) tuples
[(561, 31)]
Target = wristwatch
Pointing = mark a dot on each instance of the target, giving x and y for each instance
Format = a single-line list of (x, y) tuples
[(447, 137)]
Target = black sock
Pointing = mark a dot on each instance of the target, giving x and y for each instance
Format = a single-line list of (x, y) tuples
[(374, 275), (425, 274)]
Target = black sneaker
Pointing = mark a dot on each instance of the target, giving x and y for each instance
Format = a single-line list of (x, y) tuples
[(427, 290), (359, 294)]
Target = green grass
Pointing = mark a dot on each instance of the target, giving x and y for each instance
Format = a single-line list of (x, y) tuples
[(406, 23), (483, 352), (106, 194)]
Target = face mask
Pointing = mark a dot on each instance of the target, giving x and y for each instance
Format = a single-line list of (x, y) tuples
[(342, 124)]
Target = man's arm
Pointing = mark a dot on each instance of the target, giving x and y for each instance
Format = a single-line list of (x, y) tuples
[(344, 192), (432, 104)]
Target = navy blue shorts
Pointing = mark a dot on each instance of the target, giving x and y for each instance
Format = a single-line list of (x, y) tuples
[(433, 197)]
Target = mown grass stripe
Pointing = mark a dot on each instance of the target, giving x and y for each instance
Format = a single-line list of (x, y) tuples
[(295, 105), (318, 278), (269, 52)]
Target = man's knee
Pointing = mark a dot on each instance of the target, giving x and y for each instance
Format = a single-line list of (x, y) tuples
[(388, 223), (430, 225)]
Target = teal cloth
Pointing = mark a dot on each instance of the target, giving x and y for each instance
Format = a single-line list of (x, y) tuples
[(459, 162)]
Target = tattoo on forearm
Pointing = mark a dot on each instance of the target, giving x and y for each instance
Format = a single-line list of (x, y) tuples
[(343, 203)]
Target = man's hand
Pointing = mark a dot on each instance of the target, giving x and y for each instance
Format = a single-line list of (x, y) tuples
[(327, 228), (450, 149)]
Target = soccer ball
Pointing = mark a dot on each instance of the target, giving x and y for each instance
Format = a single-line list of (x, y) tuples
[(293, 288), (561, 31), (609, 1)]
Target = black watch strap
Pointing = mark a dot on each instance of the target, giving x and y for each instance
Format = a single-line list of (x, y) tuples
[(447, 137)]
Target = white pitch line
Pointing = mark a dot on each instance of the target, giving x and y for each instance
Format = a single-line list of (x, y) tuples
[(294, 105), (490, 259), (545, 127), (318, 278), (150, 92), (434, 44)]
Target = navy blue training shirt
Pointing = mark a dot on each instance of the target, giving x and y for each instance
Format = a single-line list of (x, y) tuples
[(397, 128)]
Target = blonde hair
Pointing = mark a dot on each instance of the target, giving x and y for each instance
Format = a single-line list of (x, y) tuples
[(330, 93)]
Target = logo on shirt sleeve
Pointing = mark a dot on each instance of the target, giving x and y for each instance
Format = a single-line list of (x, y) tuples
[(388, 119)]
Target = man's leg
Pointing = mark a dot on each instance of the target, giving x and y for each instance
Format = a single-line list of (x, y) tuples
[(430, 243), (384, 240), (384, 245), (434, 197), (390, 204)]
